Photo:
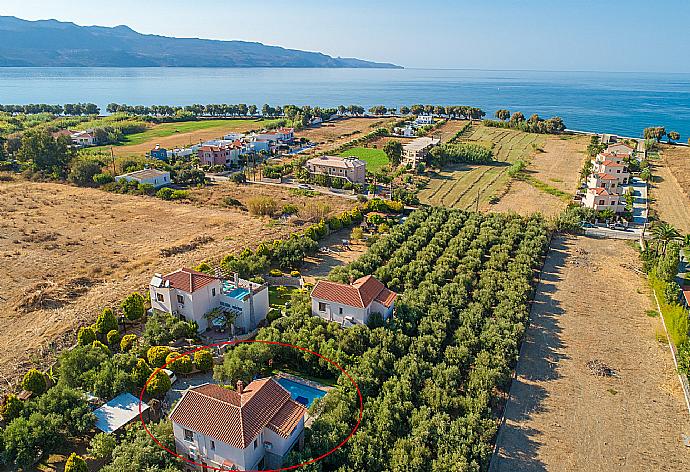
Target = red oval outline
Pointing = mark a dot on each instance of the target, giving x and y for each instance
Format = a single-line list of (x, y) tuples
[(229, 343)]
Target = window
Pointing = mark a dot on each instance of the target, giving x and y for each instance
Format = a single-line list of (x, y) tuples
[(180, 299), (256, 443), (601, 202), (213, 446), (340, 310), (188, 435), (322, 306), (159, 297), (213, 292)]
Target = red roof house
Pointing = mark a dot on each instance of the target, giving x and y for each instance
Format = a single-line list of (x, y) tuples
[(352, 303)]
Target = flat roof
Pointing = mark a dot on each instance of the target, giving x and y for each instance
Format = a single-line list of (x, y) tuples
[(146, 174), (336, 161), (118, 412), (420, 143)]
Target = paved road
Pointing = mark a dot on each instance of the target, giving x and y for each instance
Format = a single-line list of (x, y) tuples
[(640, 202)]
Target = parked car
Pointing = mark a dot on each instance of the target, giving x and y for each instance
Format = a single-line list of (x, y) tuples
[(304, 187), (586, 224)]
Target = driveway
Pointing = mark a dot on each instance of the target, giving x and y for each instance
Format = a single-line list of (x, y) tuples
[(640, 203), (183, 383)]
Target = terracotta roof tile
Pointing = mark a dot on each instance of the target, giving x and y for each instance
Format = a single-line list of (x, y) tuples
[(360, 294), (188, 280), (237, 419)]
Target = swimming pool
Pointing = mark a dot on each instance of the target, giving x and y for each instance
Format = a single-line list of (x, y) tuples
[(237, 293), (300, 392)]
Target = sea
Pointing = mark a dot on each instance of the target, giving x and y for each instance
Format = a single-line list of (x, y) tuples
[(622, 103)]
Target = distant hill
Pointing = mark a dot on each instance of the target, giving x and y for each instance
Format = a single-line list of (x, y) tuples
[(51, 43)]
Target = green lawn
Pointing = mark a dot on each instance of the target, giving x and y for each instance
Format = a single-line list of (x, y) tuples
[(168, 129), (277, 299), (375, 158)]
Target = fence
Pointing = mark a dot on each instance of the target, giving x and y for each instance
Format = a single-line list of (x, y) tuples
[(286, 281)]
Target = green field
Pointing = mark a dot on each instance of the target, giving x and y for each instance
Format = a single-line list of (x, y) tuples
[(464, 186), (375, 158), (168, 129)]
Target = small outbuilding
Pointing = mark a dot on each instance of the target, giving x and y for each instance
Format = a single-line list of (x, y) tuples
[(119, 412), (155, 177)]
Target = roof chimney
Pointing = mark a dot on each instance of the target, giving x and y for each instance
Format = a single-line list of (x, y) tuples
[(352, 279), (240, 387)]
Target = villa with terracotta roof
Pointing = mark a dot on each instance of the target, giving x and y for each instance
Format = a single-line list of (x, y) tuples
[(250, 428), (191, 296), (226, 154), (350, 304), (610, 176), (155, 177)]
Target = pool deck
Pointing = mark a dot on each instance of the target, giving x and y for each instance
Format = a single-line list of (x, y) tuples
[(308, 383)]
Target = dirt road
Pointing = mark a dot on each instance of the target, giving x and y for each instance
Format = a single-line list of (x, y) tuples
[(591, 305)]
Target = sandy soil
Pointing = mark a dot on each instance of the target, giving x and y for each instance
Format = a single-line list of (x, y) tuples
[(448, 129), (321, 264), (333, 134), (524, 199), (671, 187), (591, 305), (69, 252), (560, 163)]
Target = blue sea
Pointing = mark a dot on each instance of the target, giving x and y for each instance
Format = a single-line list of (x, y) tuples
[(622, 103)]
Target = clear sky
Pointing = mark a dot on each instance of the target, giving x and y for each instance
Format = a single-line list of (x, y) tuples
[(600, 35)]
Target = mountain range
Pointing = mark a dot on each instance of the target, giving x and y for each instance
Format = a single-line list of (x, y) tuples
[(52, 43)]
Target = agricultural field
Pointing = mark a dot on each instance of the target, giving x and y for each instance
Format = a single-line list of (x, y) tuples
[(375, 158), (171, 135), (670, 190), (331, 135), (68, 252), (467, 186), (430, 382), (448, 130), (595, 386)]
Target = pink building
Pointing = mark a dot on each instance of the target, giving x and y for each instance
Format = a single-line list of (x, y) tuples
[(224, 155), (351, 169)]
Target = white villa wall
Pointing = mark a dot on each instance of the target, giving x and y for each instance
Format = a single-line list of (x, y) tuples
[(247, 458), (332, 312), (281, 445)]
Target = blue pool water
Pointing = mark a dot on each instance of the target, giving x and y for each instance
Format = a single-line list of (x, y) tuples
[(238, 293), (301, 393)]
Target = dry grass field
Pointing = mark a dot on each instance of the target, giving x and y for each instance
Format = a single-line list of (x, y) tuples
[(560, 162), (66, 253), (462, 186), (334, 134), (671, 187), (561, 416)]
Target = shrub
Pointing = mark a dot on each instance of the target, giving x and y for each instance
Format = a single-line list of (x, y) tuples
[(106, 322), (157, 354), (133, 306), (290, 209), (165, 193), (275, 273), (177, 363), (11, 408), (357, 234), (141, 373), (203, 360), (232, 202), (262, 206), (75, 463), (86, 336), (83, 172), (672, 293), (273, 315), (35, 382), (159, 384), (294, 273), (102, 179), (684, 357), (102, 446), (99, 345), (113, 338), (127, 342)]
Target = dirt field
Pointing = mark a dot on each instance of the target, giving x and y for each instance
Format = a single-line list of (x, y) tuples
[(671, 187), (69, 252), (320, 265), (333, 134), (560, 163), (448, 129), (561, 417), (524, 199)]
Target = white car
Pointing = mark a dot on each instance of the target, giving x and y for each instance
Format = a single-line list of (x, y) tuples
[(304, 187)]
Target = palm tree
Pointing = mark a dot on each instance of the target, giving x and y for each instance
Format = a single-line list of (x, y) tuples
[(664, 233)]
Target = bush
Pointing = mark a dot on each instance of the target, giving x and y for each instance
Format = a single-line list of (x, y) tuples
[(141, 373), (127, 342), (290, 209), (273, 315), (113, 338), (159, 384), (165, 193), (294, 273), (83, 172), (177, 363), (76, 463), (105, 322), (133, 306), (203, 360), (102, 446), (99, 345), (35, 382), (157, 355), (11, 408), (262, 206), (102, 179), (672, 293), (275, 273), (357, 234), (85, 336), (684, 357)]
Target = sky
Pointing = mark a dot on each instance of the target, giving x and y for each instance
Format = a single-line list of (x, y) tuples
[(564, 35)]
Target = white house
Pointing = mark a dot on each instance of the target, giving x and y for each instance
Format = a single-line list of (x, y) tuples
[(424, 120), (610, 176), (155, 177), (350, 304), (83, 138), (251, 428), (191, 295)]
